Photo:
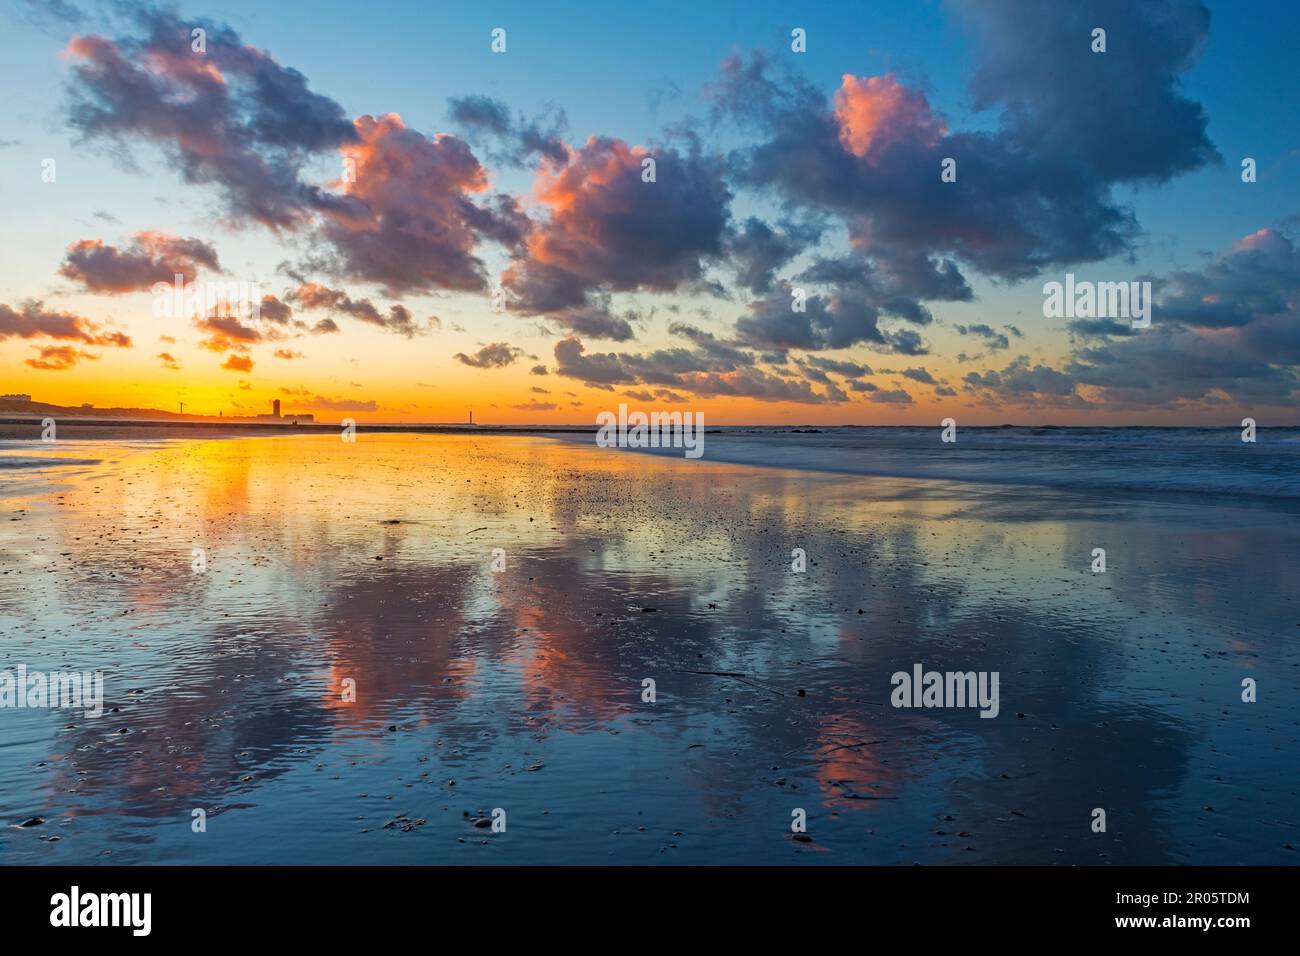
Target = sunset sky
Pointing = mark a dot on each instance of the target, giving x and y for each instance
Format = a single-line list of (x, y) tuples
[(379, 173)]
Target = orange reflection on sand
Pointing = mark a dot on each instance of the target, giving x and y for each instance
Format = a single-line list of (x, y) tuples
[(848, 769)]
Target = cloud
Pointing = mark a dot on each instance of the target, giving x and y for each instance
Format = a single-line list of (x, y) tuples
[(896, 284), (58, 358), (843, 368), (906, 342), (1172, 366), (1025, 383), (225, 333), (496, 355), (1100, 328), (594, 321), (231, 117), (610, 231), (404, 215), (1258, 276), (875, 114), (149, 257), (275, 311), (1032, 67), (168, 361), (408, 221), (993, 339), (33, 320), (515, 140), (310, 295), (1229, 331), (537, 370), (1033, 189), (839, 320), (718, 354), (53, 13), (596, 369), (237, 363), (340, 404), (757, 384), (696, 371), (757, 251)]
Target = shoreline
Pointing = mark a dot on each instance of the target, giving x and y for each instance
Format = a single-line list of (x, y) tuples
[(15, 428), (1030, 467)]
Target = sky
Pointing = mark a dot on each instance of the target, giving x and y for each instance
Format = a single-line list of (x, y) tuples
[(739, 209)]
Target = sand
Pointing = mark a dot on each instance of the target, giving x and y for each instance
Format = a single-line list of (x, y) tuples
[(523, 689)]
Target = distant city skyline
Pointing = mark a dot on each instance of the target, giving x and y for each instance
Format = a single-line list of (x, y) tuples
[(814, 215)]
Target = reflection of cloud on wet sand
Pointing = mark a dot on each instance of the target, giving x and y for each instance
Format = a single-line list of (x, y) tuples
[(372, 562)]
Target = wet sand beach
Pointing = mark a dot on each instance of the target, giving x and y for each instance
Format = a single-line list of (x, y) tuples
[(523, 689)]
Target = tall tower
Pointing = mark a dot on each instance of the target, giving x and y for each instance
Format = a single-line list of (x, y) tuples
[(275, 408)]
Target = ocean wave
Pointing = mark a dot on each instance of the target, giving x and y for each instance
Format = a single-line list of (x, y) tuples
[(1199, 461)]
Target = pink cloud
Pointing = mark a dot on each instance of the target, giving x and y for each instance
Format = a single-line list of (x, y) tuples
[(877, 112)]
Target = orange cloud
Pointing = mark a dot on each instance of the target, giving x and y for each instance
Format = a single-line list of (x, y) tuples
[(58, 358), (876, 112), (407, 221)]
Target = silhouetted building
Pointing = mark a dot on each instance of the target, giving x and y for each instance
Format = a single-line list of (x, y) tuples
[(275, 415)]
